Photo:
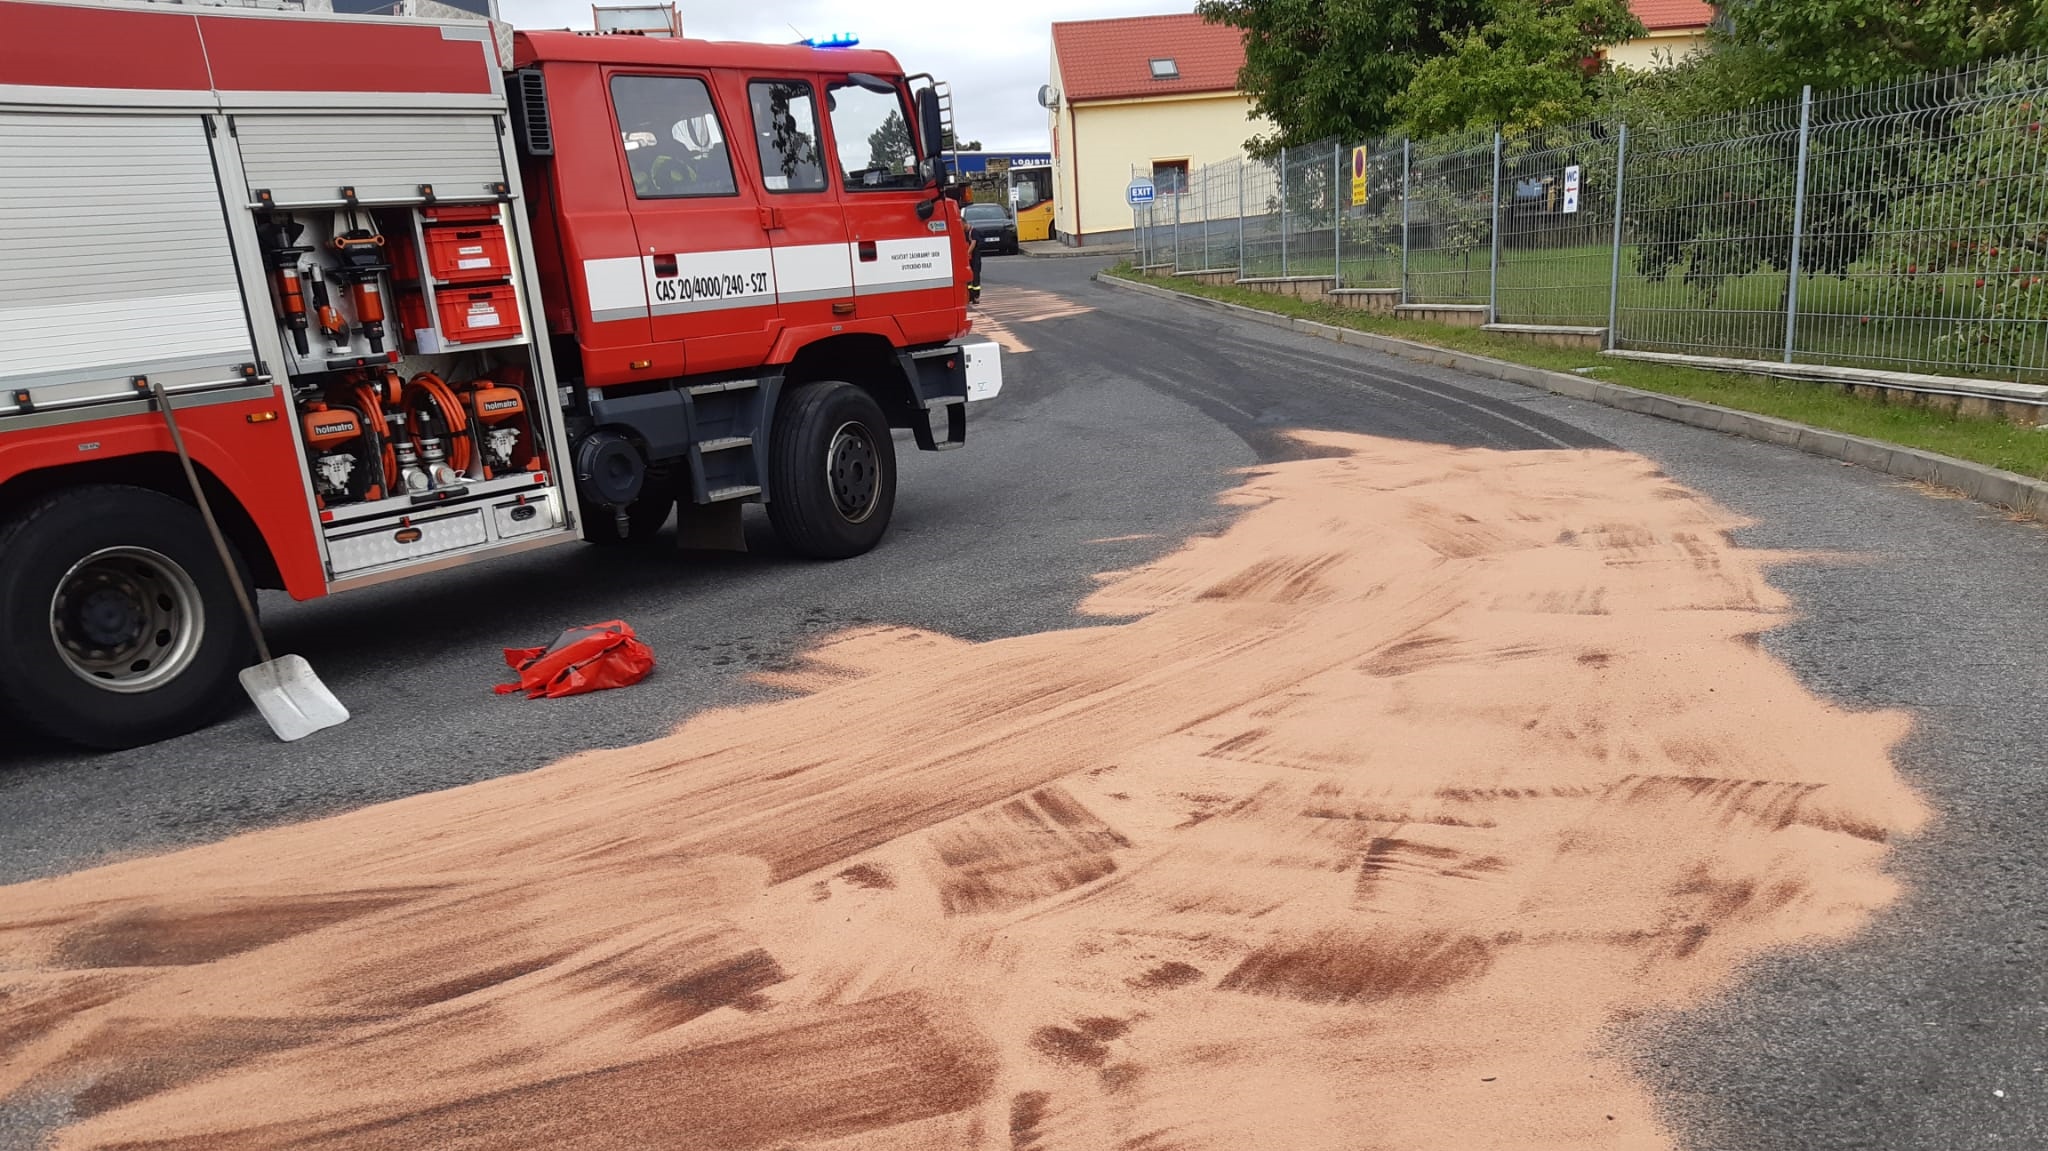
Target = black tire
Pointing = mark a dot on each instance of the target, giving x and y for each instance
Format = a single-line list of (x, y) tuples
[(832, 471), (144, 603), (644, 517)]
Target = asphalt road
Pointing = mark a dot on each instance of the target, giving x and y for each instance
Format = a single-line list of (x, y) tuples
[(1122, 423)]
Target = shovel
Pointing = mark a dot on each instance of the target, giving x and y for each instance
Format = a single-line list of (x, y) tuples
[(287, 693)]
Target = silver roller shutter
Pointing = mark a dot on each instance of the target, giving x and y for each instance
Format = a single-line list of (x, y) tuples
[(309, 159), (115, 251)]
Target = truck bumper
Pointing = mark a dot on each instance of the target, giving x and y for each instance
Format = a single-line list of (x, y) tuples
[(983, 364)]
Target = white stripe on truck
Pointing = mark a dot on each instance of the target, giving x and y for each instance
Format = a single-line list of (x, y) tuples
[(627, 287)]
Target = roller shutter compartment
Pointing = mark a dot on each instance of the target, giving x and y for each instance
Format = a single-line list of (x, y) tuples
[(309, 159), (116, 252)]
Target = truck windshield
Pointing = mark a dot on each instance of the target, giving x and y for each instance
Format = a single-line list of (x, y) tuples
[(872, 131)]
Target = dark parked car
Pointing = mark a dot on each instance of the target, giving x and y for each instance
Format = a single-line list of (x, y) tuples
[(994, 229)]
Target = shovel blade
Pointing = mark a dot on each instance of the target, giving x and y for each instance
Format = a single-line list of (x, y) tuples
[(291, 698)]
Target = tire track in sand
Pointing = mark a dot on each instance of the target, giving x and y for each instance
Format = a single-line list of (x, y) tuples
[(1356, 831)]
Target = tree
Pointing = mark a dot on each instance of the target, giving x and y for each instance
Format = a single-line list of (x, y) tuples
[(889, 146), (1780, 45), (1321, 68), (1534, 64)]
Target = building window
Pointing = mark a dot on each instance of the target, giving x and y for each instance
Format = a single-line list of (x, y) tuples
[(1170, 177), (1165, 69)]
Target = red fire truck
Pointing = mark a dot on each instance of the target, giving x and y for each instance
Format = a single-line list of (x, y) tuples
[(424, 293)]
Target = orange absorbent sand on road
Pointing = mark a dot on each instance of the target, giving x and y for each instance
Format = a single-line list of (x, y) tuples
[(1359, 825)]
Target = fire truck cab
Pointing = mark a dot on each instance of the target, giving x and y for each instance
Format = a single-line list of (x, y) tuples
[(426, 293), (702, 211)]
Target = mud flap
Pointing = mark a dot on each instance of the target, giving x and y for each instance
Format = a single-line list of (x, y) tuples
[(715, 527)]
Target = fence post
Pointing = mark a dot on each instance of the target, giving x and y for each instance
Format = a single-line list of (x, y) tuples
[(1493, 264), (1614, 274), (1336, 215), (1241, 165), (1406, 164), (1203, 265), (1283, 213), (1798, 221)]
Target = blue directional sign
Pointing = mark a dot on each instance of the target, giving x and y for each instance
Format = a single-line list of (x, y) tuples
[(1139, 193)]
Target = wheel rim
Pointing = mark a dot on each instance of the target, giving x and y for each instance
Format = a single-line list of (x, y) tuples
[(127, 619), (853, 472)]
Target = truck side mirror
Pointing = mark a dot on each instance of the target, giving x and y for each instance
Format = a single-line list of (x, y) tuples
[(931, 133)]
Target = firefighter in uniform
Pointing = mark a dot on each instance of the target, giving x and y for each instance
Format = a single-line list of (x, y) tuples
[(973, 264)]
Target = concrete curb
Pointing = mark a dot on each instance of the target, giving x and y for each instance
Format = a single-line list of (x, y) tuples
[(1990, 485), (1066, 253)]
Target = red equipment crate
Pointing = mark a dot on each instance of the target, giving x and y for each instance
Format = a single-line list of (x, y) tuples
[(478, 315), (459, 254), (460, 213)]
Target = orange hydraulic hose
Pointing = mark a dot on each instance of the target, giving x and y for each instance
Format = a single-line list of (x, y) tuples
[(373, 419), (437, 389)]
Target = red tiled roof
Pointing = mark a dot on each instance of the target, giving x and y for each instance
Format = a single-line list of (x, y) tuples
[(1666, 15), (1111, 59)]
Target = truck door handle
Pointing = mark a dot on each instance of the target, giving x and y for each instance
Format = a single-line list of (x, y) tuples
[(665, 265), (867, 252)]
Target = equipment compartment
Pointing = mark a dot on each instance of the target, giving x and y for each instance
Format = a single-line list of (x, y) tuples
[(353, 549), (535, 512)]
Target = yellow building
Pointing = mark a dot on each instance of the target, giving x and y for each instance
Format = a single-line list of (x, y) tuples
[(1157, 94), (1676, 29)]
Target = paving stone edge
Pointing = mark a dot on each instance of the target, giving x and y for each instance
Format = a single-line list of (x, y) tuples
[(2008, 490)]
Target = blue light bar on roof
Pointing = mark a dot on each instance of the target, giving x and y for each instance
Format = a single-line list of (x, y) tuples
[(835, 40)]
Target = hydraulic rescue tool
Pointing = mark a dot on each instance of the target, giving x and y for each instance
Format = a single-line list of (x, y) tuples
[(363, 265), (331, 321), (279, 236)]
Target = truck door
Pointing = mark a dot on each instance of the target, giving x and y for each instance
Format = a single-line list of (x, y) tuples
[(704, 250), (807, 229), (903, 265)]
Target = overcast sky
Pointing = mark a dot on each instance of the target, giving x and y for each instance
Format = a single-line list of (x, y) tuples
[(995, 53)]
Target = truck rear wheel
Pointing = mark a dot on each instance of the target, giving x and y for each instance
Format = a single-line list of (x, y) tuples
[(832, 471), (119, 625)]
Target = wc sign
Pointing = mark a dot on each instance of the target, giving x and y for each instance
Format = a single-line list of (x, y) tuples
[(1571, 189)]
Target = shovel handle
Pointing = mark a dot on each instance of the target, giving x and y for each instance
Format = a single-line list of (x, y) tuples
[(220, 542)]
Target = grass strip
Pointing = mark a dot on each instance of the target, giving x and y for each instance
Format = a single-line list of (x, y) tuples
[(1980, 440)]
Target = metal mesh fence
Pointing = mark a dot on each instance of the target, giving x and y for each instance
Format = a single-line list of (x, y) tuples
[(1450, 222), (1557, 226), (1708, 215), (1369, 234), (1924, 243), (1309, 224), (1264, 243), (1903, 227)]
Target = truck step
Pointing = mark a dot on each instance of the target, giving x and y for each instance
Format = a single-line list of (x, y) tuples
[(723, 386), (740, 492), (933, 403), (725, 443)]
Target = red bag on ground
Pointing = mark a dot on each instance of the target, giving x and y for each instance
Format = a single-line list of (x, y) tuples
[(583, 659)]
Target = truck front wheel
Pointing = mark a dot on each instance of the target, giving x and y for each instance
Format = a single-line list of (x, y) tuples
[(832, 471), (119, 625)]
